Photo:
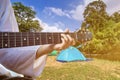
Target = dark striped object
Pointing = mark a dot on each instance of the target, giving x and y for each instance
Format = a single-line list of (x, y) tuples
[(20, 39)]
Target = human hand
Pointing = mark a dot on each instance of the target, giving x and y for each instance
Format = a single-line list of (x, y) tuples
[(67, 41)]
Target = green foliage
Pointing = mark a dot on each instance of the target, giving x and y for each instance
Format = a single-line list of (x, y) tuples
[(25, 18), (95, 16), (116, 16), (105, 28)]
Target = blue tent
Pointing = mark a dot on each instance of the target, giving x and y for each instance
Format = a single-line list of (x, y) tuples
[(70, 54)]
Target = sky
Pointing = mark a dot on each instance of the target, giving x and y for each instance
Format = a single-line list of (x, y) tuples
[(57, 15)]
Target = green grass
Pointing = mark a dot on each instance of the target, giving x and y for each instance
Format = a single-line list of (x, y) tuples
[(91, 70)]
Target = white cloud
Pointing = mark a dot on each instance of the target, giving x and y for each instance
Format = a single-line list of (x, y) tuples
[(48, 28), (112, 6), (59, 24), (86, 2), (72, 14), (77, 12), (57, 11)]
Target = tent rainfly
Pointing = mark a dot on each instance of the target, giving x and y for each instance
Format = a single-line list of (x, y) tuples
[(70, 54)]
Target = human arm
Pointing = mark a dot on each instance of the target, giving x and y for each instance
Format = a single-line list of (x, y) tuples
[(23, 60), (66, 42)]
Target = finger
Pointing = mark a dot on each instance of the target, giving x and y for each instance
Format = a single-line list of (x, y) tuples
[(73, 42), (64, 37), (70, 40), (63, 45), (60, 46), (67, 31)]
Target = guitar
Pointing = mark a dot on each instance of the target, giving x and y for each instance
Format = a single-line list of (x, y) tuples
[(20, 39)]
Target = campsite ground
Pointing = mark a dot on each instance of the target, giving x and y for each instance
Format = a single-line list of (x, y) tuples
[(97, 69)]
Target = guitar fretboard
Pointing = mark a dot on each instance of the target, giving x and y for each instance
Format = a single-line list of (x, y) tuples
[(19, 39)]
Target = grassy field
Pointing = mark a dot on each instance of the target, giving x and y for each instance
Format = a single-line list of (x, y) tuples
[(97, 69)]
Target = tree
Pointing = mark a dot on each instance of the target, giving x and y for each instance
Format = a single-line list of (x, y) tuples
[(116, 16), (25, 18), (95, 16), (99, 23)]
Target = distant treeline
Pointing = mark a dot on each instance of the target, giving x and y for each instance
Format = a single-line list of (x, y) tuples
[(105, 29)]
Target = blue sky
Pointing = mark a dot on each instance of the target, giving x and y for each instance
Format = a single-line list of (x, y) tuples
[(57, 15)]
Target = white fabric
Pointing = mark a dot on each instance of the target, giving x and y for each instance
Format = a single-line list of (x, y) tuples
[(5, 71), (7, 18), (22, 59)]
